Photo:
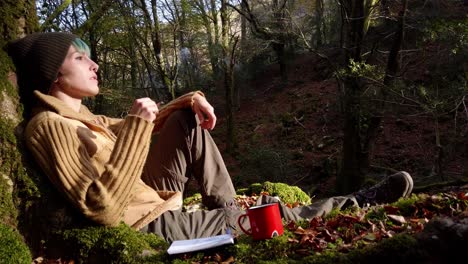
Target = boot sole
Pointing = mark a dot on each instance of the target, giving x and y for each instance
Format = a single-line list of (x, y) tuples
[(409, 183)]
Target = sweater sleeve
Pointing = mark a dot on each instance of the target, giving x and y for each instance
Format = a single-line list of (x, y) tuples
[(184, 101), (102, 197), (114, 124)]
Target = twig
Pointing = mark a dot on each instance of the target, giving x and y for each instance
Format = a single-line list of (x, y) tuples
[(464, 105), (299, 123)]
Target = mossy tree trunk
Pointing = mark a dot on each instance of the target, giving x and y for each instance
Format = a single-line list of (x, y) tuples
[(28, 202), (18, 18)]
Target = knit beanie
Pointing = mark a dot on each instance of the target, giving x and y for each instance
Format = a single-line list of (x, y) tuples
[(38, 57)]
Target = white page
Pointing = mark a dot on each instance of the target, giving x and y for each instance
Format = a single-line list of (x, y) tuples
[(182, 246)]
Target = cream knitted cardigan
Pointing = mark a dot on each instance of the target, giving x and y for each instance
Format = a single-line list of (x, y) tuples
[(97, 161)]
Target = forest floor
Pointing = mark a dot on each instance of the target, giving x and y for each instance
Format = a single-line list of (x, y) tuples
[(293, 134)]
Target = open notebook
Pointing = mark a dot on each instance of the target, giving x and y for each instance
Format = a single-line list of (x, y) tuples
[(189, 245)]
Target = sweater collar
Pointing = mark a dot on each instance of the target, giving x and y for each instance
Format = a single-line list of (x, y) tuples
[(54, 104)]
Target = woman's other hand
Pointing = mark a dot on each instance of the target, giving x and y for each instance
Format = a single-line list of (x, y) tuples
[(204, 111), (145, 108)]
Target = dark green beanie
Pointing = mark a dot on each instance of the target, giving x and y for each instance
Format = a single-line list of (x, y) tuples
[(38, 57)]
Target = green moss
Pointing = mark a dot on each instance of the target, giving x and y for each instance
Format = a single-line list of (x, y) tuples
[(12, 167), (242, 191), (10, 164), (193, 199), (376, 214), (276, 249), (398, 249), (255, 188), (407, 205), (328, 257), (119, 244), (287, 194), (10, 12), (8, 137), (5, 85), (7, 207), (12, 247), (333, 213)]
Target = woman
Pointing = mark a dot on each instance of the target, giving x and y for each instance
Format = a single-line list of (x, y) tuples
[(108, 168)]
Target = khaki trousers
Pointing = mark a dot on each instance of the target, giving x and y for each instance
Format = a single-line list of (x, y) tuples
[(183, 150), (178, 225)]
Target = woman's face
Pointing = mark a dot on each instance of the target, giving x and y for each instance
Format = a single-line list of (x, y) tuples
[(77, 76)]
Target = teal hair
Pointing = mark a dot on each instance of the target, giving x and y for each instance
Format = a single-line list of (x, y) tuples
[(81, 46)]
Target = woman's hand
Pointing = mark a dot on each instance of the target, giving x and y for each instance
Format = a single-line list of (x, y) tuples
[(204, 111), (145, 108)]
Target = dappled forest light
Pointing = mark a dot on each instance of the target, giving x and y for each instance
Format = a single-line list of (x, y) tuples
[(326, 95)]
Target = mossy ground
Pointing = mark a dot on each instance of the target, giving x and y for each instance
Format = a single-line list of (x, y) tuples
[(408, 245), (120, 244)]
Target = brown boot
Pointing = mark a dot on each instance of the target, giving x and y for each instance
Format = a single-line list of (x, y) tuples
[(388, 190)]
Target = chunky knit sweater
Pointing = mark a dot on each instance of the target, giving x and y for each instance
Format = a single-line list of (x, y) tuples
[(97, 161)]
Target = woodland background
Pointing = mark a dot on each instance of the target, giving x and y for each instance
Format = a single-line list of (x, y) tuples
[(327, 95)]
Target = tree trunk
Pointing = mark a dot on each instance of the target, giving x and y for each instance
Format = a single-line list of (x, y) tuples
[(153, 23), (230, 134), (133, 64), (351, 175), (16, 189), (184, 43), (279, 38), (280, 54), (319, 23), (157, 46), (209, 19), (279, 45), (390, 74)]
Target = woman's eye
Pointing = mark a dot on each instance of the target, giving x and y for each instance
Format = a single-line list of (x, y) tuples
[(79, 57)]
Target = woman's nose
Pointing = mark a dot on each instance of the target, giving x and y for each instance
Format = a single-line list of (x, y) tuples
[(94, 66)]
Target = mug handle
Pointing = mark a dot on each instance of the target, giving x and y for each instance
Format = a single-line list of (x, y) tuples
[(240, 225)]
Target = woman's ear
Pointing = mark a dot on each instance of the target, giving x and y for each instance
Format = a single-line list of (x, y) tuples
[(55, 86), (57, 79), (59, 74)]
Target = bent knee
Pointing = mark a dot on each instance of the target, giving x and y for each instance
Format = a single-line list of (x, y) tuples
[(181, 117)]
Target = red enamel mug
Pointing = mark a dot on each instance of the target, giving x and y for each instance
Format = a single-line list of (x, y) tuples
[(265, 221)]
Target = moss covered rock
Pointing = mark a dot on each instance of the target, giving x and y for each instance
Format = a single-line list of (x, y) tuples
[(286, 193)]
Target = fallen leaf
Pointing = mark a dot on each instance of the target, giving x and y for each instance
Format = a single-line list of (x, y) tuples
[(463, 196), (293, 240), (369, 237), (299, 231), (397, 218), (229, 260), (391, 209)]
